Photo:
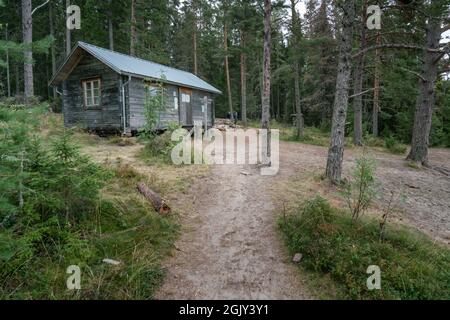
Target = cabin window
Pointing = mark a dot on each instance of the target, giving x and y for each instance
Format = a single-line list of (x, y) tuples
[(152, 90), (91, 92)]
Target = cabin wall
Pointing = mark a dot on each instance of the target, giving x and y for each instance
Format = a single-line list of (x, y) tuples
[(174, 112), (107, 117), (136, 100)]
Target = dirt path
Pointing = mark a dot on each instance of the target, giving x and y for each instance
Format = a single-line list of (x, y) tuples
[(231, 248)]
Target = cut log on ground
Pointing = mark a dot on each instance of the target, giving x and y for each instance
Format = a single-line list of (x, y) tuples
[(158, 203)]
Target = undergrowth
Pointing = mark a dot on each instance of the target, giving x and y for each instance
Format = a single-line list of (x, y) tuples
[(58, 208), (336, 247)]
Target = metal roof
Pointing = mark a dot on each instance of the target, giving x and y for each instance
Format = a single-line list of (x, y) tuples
[(128, 65)]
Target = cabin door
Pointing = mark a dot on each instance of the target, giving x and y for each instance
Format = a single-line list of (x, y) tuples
[(186, 107)]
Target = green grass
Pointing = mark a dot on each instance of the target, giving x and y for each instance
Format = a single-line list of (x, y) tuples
[(124, 227), (37, 248), (312, 135), (334, 248)]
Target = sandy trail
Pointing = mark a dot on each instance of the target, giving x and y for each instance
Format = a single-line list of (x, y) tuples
[(231, 249)]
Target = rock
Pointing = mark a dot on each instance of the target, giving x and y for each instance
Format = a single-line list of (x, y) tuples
[(297, 257), (111, 261), (245, 173)]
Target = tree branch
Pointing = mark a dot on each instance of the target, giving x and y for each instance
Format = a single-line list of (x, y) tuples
[(414, 73), (397, 46), (40, 6), (363, 92)]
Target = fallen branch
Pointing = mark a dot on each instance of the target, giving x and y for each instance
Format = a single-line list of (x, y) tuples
[(158, 203)]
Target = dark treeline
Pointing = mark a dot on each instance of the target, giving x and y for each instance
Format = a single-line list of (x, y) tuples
[(222, 42)]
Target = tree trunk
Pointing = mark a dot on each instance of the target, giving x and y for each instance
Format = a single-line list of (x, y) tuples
[(296, 37), (336, 151), (227, 70), (8, 76), (358, 85), (265, 117), (68, 33), (17, 76), (243, 81), (376, 92), (426, 99), (195, 52), (27, 28), (52, 48), (110, 26), (133, 36), (194, 37)]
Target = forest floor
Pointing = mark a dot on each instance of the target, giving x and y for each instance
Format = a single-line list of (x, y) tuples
[(230, 247)]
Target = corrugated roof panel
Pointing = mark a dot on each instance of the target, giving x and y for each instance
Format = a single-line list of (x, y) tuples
[(139, 67)]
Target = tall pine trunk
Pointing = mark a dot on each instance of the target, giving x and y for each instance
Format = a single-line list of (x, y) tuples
[(336, 150), (425, 102), (194, 37), (17, 76), (376, 92), (27, 29), (110, 26), (227, 69), (133, 34), (243, 81), (358, 85), (296, 38), (68, 33), (265, 116), (52, 48), (8, 75)]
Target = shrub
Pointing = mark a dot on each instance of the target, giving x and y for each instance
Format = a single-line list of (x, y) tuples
[(412, 266), (159, 146), (360, 191), (394, 146)]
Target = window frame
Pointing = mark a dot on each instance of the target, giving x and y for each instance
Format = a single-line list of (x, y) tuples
[(84, 87)]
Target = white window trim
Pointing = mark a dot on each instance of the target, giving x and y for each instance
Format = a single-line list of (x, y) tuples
[(88, 85)]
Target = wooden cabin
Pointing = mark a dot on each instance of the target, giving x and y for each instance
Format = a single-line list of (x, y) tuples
[(103, 90)]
